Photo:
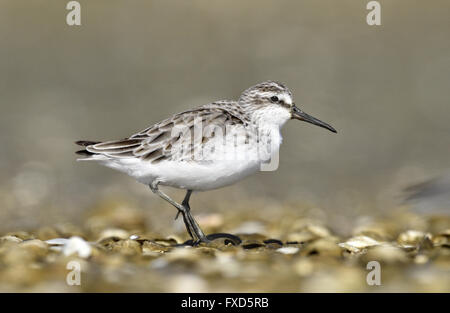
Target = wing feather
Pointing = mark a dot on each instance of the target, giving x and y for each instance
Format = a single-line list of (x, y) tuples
[(162, 142)]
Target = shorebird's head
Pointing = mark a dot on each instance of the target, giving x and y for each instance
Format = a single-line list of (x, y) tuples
[(272, 101)]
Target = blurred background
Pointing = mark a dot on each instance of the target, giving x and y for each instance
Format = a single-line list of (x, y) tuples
[(384, 88)]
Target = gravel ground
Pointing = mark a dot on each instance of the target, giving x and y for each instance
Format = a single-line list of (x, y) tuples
[(116, 251)]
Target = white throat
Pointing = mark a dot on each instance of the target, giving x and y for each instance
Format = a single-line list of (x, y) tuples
[(271, 116)]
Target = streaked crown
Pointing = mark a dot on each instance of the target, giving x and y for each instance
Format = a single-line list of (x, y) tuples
[(267, 93)]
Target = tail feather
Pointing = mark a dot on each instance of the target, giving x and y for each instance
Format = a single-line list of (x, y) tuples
[(85, 143), (84, 152)]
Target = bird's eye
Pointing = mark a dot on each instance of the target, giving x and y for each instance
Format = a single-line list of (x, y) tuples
[(274, 99)]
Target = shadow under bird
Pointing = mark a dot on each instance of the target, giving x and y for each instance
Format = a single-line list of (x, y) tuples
[(207, 147)]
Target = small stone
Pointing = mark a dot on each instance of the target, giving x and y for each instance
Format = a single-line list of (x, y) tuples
[(413, 238), (273, 243), (308, 233), (387, 254), (323, 247), (151, 247), (166, 242), (106, 242), (37, 246), (78, 246), (442, 239), (376, 231), (300, 237), (359, 243), (318, 230), (252, 246), (21, 234), (9, 238), (288, 250), (57, 241), (220, 244), (127, 247), (114, 232)]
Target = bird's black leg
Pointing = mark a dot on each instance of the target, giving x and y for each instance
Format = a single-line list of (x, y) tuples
[(199, 233), (187, 216), (189, 222)]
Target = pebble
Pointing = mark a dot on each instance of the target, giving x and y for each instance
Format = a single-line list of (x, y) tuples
[(359, 243), (114, 232), (413, 238), (388, 254), (9, 238), (288, 250), (77, 246)]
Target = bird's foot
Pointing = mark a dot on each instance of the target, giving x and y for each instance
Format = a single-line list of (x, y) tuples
[(228, 239)]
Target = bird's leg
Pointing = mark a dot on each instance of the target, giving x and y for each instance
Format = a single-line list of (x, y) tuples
[(198, 231), (185, 203), (191, 224), (191, 229)]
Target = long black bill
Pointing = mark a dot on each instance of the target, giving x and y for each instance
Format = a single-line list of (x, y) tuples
[(302, 116)]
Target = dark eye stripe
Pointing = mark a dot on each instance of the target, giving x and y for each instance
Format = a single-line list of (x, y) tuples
[(275, 99)]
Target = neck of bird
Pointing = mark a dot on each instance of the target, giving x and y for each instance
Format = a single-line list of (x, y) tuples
[(269, 118)]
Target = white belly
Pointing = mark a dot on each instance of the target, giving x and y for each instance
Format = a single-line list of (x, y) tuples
[(219, 169), (195, 176)]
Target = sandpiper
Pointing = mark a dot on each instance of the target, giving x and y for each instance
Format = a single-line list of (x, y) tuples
[(208, 147)]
